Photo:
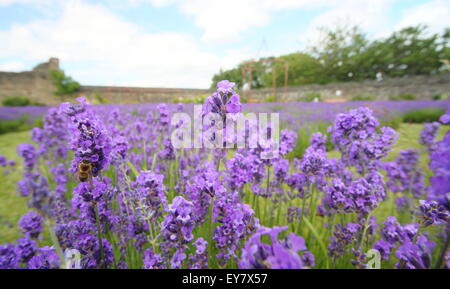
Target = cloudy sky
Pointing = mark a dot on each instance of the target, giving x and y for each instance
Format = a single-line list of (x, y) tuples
[(182, 43)]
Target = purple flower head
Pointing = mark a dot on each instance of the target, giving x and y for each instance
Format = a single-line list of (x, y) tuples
[(384, 247), (45, 258), (405, 175), (90, 140), (428, 134), (28, 153), (89, 246), (415, 255), (342, 237), (433, 213), (355, 135), (147, 195), (237, 221), (178, 224), (288, 253), (9, 258), (318, 141), (90, 193), (199, 260), (153, 261), (164, 117), (224, 100), (361, 196), (288, 140), (25, 248), (31, 224), (178, 258), (394, 232), (314, 162), (5, 162)]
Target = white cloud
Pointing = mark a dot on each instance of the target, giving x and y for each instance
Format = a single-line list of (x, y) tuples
[(223, 21), (102, 48), (370, 16), (435, 14)]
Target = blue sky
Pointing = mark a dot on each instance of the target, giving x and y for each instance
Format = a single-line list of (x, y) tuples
[(182, 43)]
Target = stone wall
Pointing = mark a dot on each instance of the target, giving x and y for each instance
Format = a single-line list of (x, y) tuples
[(423, 87), (38, 86), (35, 84), (117, 94)]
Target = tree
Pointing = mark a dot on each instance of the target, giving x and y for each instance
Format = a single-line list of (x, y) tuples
[(65, 85), (346, 54)]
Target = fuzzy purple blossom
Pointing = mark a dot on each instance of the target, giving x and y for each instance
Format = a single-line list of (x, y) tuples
[(288, 253), (31, 224), (45, 258), (153, 261), (428, 134), (433, 213), (178, 224)]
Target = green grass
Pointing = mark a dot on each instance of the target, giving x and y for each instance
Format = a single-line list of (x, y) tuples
[(423, 115), (12, 206)]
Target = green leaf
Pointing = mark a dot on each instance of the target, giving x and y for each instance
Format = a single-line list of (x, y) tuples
[(133, 169), (322, 245)]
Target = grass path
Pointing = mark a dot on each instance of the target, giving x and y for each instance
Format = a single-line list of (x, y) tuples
[(12, 206)]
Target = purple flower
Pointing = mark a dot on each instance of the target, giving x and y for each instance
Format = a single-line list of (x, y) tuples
[(355, 135), (288, 140), (45, 258), (90, 140), (178, 224), (289, 253), (342, 237), (318, 141), (314, 162), (31, 224), (404, 174), (415, 255), (9, 259), (384, 247), (199, 260), (147, 196), (237, 221), (28, 153), (25, 249), (89, 246), (178, 257), (361, 196), (428, 134), (224, 100), (153, 261), (433, 213)]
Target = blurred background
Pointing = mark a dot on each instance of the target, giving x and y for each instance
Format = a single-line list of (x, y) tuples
[(175, 51)]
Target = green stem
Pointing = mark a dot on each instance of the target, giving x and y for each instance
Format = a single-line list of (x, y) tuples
[(443, 251), (99, 235)]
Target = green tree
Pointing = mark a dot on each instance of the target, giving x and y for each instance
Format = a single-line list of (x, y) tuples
[(346, 54), (302, 69), (65, 85), (410, 51)]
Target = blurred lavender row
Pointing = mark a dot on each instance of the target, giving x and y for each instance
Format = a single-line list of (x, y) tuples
[(293, 114)]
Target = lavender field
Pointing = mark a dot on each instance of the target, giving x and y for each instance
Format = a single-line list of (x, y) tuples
[(107, 182)]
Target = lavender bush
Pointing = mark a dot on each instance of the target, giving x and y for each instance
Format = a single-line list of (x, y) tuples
[(146, 204)]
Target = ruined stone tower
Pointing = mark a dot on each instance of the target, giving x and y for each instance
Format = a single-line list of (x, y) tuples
[(35, 84)]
